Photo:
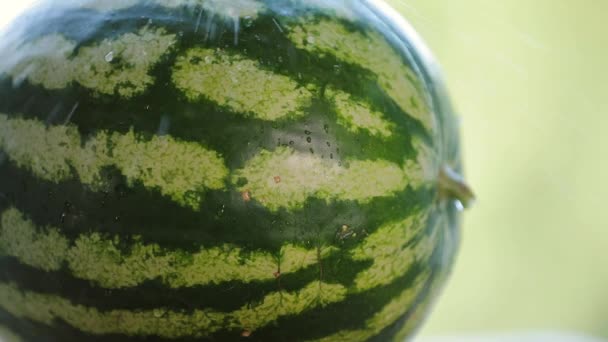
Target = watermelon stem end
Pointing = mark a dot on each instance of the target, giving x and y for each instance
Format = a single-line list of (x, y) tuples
[(453, 187)]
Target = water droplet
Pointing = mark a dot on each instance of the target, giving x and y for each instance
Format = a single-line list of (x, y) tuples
[(328, 144), (307, 132), (459, 206), (312, 151), (291, 142), (109, 56), (164, 125), (331, 156), (158, 313), (326, 128), (121, 190), (309, 139), (248, 21)]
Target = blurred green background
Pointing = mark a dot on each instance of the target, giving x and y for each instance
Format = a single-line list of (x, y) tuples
[(529, 81)]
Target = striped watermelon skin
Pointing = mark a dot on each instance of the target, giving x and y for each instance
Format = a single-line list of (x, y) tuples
[(210, 170)]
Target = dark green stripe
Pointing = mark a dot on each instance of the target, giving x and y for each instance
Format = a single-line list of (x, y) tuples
[(397, 286), (412, 317), (440, 262), (365, 303), (347, 315), (136, 211), (254, 305)]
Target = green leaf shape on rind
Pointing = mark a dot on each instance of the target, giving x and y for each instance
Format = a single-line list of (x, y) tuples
[(118, 66), (180, 170)]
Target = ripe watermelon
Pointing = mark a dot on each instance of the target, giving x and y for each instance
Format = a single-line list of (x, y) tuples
[(216, 170)]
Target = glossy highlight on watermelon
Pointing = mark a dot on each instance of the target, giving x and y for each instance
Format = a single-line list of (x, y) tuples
[(222, 170)]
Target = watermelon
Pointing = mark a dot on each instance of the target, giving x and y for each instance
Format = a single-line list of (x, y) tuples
[(221, 170)]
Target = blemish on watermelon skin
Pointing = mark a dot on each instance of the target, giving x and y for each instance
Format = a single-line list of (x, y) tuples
[(303, 177)]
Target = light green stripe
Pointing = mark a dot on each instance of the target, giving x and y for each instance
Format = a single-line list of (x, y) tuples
[(357, 116), (427, 162), (281, 304), (389, 314), (160, 322), (286, 179), (386, 248), (239, 84), (226, 9), (179, 170), (7, 335), (371, 51), (417, 316), (98, 259), (113, 66), (245, 87), (19, 238)]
